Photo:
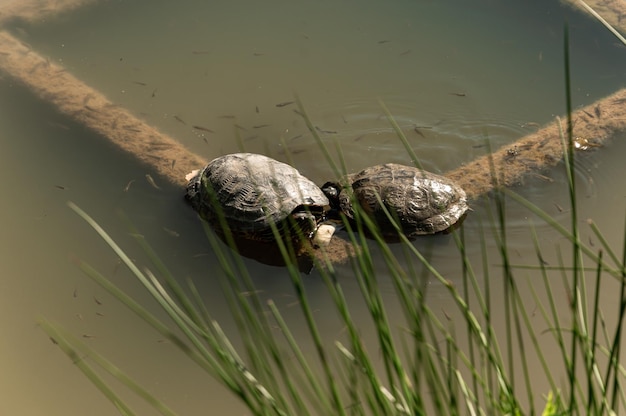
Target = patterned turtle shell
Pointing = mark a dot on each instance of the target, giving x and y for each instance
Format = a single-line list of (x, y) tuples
[(249, 192), (420, 201)]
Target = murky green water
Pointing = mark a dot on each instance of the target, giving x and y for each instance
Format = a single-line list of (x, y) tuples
[(461, 71)]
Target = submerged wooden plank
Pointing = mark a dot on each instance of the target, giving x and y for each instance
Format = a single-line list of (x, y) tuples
[(542, 149), (37, 10), (88, 106)]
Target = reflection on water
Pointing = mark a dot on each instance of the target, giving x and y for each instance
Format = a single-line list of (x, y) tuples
[(452, 75)]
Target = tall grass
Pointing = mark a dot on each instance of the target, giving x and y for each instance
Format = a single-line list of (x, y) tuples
[(448, 366)]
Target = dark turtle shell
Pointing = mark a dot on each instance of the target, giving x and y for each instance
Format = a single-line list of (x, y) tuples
[(252, 192), (420, 201)]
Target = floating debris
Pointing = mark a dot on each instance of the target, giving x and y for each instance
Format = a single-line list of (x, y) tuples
[(581, 143)]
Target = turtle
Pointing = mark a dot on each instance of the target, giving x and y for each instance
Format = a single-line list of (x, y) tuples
[(421, 202), (249, 193)]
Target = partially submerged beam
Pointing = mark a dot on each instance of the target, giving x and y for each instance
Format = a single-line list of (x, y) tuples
[(52, 83), (34, 11), (543, 149)]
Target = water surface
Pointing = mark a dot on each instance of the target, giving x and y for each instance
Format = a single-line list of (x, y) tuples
[(460, 72)]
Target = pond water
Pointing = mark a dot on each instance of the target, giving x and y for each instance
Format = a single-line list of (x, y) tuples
[(460, 71)]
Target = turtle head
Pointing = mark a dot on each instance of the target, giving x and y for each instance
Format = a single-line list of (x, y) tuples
[(332, 191)]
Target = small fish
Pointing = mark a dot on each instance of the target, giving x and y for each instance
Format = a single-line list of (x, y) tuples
[(257, 109), (99, 314), (127, 187), (418, 131), (325, 131), (59, 125), (240, 127), (598, 111), (344, 119), (173, 163), (79, 316), (408, 51), (298, 112), (446, 315), (88, 336), (75, 294), (143, 84), (205, 140), (258, 54), (295, 137), (359, 138), (380, 42), (250, 138), (284, 103), (203, 129), (588, 113), (171, 232), (458, 94), (63, 188), (95, 299), (54, 341), (151, 181), (180, 120), (260, 126), (154, 93), (90, 108), (199, 52), (558, 207)]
